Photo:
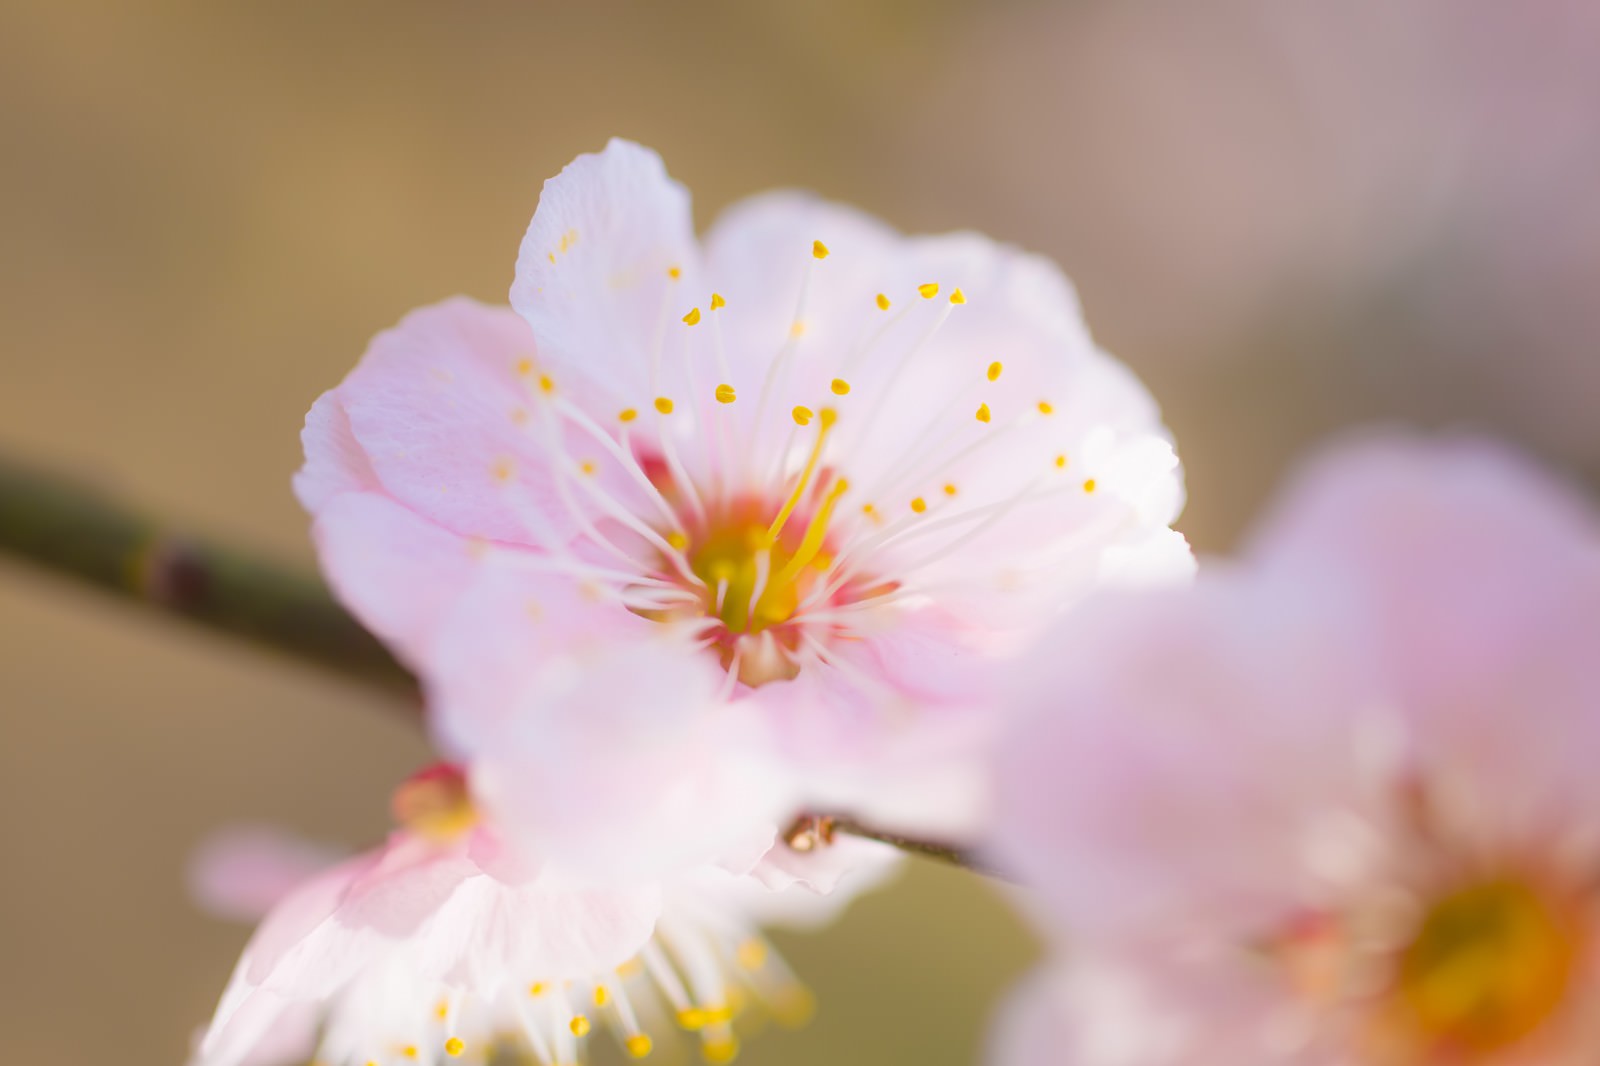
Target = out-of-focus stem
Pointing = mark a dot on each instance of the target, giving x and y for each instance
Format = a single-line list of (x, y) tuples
[(83, 534)]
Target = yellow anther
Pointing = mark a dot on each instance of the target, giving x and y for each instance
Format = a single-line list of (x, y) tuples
[(579, 1025), (752, 954), (828, 416), (638, 1045), (674, 272), (538, 988), (721, 1050), (547, 384), (503, 470), (454, 1047), (678, 539), (840, 387), (867, 508), (983, 414), (1045, 408), (627, 414), (929, 290), (664, 405), (632, 968), (949, 490), (442, 1010), (883, 302), (725, 394), (819, 249), (717, 302), (1088, 485), (957, 296), (552, 258), (409, 1051), (802, 416), (524, 366), (994, 370), (693, 317), (797, 328), (693, 1018), (588, 467), (919, 505), (1061, 462)]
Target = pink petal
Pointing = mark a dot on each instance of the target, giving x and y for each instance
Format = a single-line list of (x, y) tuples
[(244, 872)]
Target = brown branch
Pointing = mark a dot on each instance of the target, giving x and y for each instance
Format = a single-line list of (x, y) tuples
[(82, 534)]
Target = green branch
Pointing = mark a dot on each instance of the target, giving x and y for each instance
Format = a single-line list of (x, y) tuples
[(82, 534)]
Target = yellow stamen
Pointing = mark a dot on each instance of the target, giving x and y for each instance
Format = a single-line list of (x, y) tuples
[(1045, 408), (409, 1051), (579, 1025), (601, 995), (1061, 462), (983, 413), (524, 366), (503, 470), (546, 384), (816, 530), (797, 329), (725, 394), (949, 490), (537, 988), (664, 405), (826, 423), (692, 318), (958, 297), (674, 272), (638, 1045), (678, 539), (802, 416), (883, 302), (721, 1050), (919, 505), (819, 249), (454, 1047), (627, 414), (1088, 486), (752, 954), (840, 387), (588, 467), (717, 302), (994, 370), (929, 290)]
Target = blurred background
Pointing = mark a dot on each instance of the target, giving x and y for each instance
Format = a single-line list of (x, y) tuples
[(1289, 218)]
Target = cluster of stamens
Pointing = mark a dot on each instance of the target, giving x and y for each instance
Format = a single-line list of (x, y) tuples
[(752, 559)]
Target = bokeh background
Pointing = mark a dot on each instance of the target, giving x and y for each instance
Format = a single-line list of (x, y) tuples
[(1289, 218)]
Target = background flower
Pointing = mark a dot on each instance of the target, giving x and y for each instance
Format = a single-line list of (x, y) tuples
[(1334, 804)]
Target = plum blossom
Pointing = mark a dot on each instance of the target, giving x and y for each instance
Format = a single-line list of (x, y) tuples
[(1335, 803), (441, 945), (846, 472)]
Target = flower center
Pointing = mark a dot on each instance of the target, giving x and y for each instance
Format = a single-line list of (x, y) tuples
[(1488, 965)]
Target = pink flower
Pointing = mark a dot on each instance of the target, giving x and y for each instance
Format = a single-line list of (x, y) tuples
[(1337, 803), (440, 943), (851, 472)]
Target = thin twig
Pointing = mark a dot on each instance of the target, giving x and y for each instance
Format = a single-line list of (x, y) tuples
[(82, 534)]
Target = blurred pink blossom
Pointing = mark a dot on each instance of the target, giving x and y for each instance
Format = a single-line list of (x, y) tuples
[(440, 941), (715, 531), (1337, 802)]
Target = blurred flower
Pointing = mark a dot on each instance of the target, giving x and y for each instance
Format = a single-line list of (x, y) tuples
[(1338, 803), (854, 470), (440, 945)]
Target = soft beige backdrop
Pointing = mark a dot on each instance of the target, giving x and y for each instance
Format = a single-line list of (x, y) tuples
[(206, 209)]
